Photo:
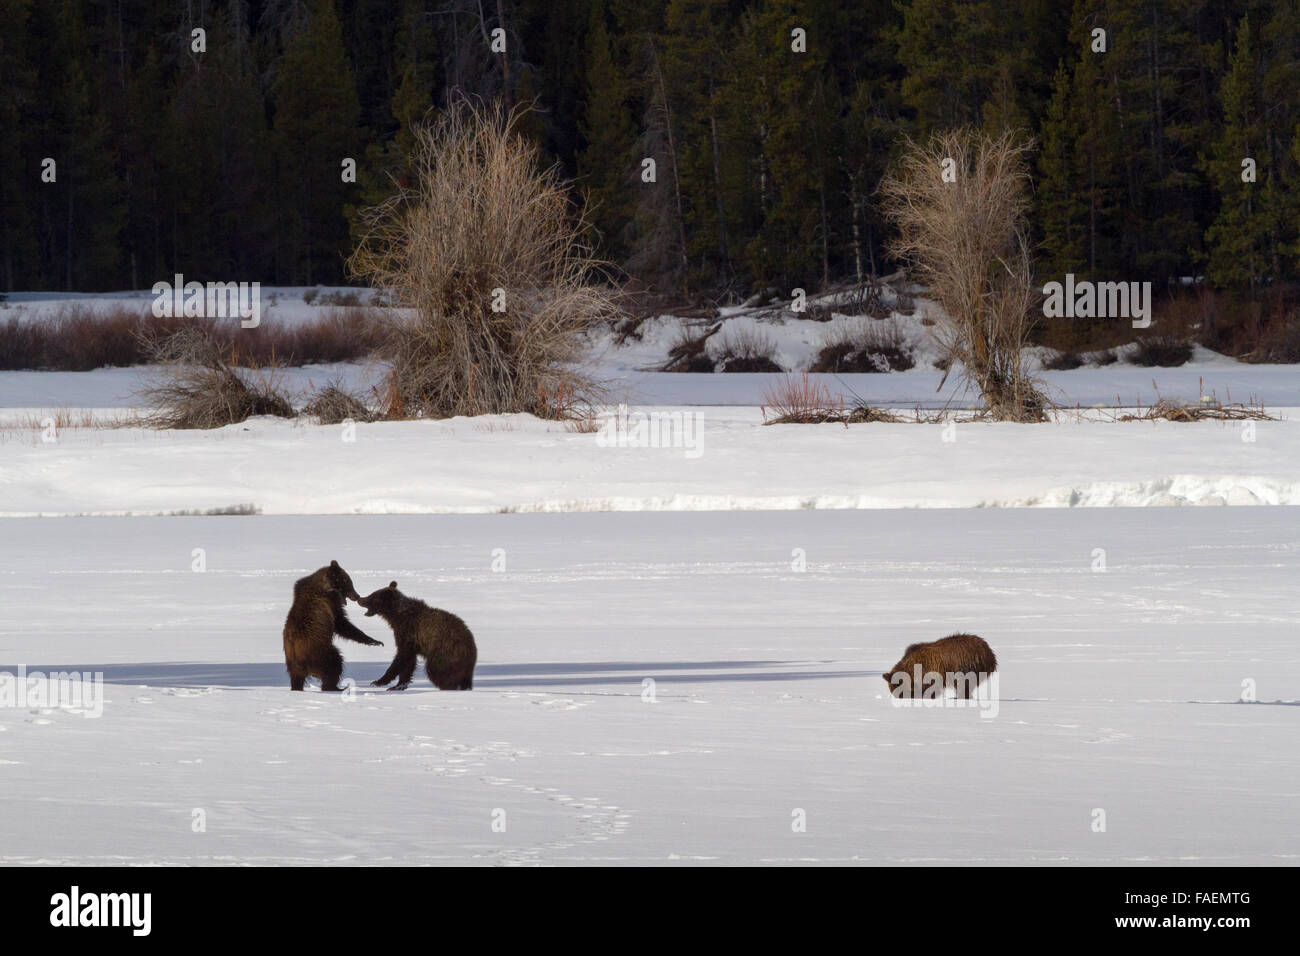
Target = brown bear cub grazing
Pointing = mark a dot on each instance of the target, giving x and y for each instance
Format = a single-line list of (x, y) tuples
[(318, 613), (959, 661), (440, 636)]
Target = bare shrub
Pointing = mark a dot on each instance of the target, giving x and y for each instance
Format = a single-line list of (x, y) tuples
[(342, 334), (866, 298), (1162, 350), (800, 399), (689, 350), (864, 346), (491, 254), (747, 348), (862, 298), (968, 241), (1104, 358), (75, 339), (336, 403), (1281, 344), (196, 388), (1063, 362), (79, 338), (349, 298)]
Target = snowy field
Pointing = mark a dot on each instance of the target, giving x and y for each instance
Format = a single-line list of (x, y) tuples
[(679, 644), (1119, 690), (726, 459)]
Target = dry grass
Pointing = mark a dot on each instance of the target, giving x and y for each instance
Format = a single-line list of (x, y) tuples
[(968, 242), (586, 425), (32, 425), (1172, 411), (78, 338), (75, 339), (242, 510), (747, 348), (195, 387), (868, 345), (492, 255)]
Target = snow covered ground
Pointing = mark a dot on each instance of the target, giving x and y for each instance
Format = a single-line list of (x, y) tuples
[(759, 578), (708, 459), (626, 365), (1119, 691), (1116, 385)]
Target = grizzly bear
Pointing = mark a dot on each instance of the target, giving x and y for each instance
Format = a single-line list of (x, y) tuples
[(318, 613), (959, 661), (440, 636)]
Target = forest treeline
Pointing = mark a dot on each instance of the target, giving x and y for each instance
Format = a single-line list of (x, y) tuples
[(725, 146)]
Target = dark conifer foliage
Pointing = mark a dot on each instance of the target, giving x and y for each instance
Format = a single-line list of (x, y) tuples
[(727, 146)]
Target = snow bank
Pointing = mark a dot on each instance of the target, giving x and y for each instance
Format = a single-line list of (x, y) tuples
[(517, 463)]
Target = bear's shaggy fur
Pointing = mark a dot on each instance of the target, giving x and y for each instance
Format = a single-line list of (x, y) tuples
[(318, 613), (440, 636), (961, 661)]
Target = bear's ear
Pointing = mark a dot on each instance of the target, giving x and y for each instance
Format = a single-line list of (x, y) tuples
[(393, 585), (334, 564)]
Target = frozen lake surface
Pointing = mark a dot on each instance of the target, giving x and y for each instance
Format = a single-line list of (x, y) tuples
[(1120, 690)]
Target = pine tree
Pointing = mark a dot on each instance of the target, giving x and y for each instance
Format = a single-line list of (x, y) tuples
[(1239, 237), (79, 217), (1061, 193), (606, 166), (694, 56), (1251, 168), (18, 174), (316, 112), (792, 108)]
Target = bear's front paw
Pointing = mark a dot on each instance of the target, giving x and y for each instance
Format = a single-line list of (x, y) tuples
[(378, 683), (400, 686)]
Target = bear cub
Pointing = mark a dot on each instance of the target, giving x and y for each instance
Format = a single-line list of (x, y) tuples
[(958, 661), (318, 613), (439, 636)]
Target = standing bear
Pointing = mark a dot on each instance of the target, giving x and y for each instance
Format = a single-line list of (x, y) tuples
[(318, 613), (440, 636), (959, 661)]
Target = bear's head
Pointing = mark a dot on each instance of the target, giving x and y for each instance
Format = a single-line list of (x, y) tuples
[(340, 581), (384, 601)]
